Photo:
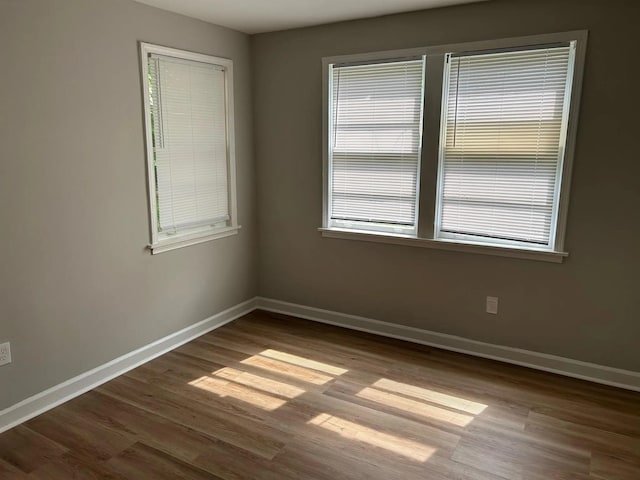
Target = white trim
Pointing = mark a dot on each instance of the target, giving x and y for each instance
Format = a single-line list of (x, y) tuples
[(571, 131), (150, 48), (231, 142), (615, 377), (170, 243), (327, 140), (373, 227), (444, 244), (58, 394), (444, 116), (558, 230)]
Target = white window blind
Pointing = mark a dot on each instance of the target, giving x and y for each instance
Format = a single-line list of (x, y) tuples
[(375, 120), (190, 143), (505, 117)]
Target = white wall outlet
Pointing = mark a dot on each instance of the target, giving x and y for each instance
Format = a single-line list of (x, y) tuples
[(5, 353), (492, 305)]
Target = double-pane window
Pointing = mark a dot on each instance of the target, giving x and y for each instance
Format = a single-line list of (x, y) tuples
[(500, 171)]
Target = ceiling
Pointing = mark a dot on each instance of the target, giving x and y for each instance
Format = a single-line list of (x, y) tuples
[(257, 16)]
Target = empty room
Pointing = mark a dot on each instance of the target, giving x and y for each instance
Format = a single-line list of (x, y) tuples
[(319, 240)]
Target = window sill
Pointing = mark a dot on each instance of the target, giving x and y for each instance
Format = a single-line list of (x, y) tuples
[(168, 244), (454, 245)]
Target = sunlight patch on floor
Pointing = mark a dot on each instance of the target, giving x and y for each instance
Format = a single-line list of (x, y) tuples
[(303, 362), (353, 431), (415, 407), (431, 396), (260, 383), (226, 388), (283, 368)]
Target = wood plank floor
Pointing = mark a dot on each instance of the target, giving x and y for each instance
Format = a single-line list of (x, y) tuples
[(272, 397)]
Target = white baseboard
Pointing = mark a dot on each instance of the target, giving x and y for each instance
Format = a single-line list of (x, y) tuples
[(541, 361), (50, 398), (54, 396)]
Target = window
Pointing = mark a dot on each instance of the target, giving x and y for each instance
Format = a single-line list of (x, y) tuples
[(376, 126), (467, 147), (503, 135), (190, 147)]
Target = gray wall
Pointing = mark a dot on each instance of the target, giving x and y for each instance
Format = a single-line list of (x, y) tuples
[(77, 287), (586, 308)]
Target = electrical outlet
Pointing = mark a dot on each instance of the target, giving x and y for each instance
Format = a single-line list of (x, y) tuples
[(492, 305), (5, 353)]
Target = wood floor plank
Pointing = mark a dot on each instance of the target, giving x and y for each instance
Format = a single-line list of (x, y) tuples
[(587, 437), (239, 464), (156, 431), (142, 461), (396, 404), (87, 439), (352, 461), (218, 393), (155, 367), (253, 343), (277, 398), (26, 450), (207, 453), (614, 467), (364, 349), (322, 461), (73, 466), (600, 418), (201, 350), (9, 472), (333, 420), (243, 362), (253, 436), (314, 354), (511, 454)]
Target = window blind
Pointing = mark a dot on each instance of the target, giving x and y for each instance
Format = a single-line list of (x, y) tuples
[(375, 138), (190, 143), (503, 144)]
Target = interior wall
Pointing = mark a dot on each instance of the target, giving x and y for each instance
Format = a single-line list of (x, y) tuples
[(77, 286), (586, 308)]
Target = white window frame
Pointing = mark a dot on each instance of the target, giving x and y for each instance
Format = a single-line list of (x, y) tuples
[(162, 242), (430, 168), (383, 228)]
